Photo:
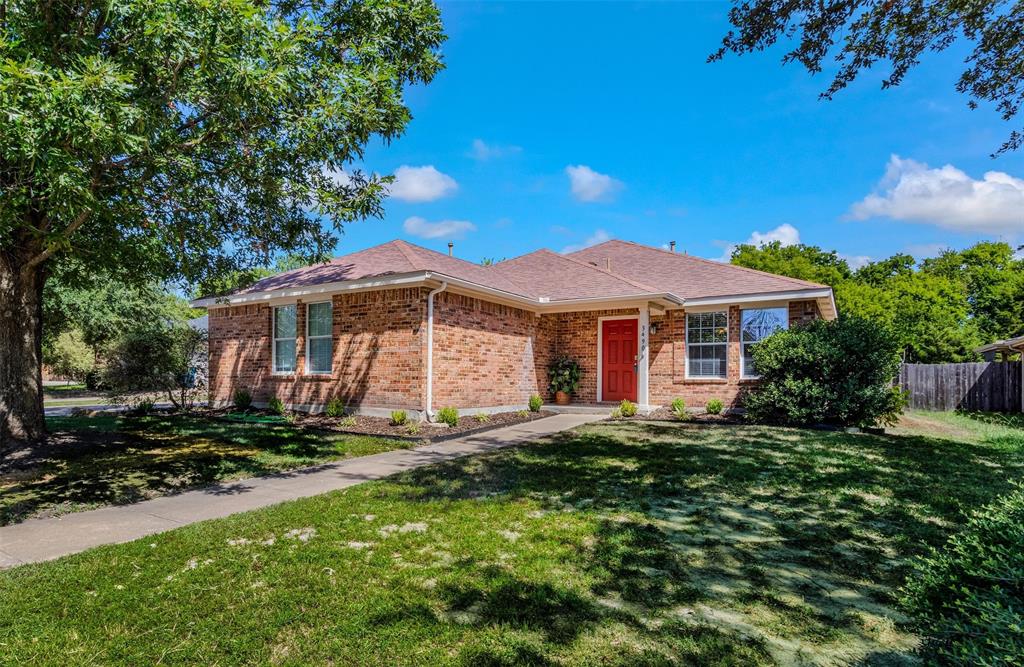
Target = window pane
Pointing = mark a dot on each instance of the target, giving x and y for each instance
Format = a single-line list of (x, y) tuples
[(284, 322), (319, 355), (706, 360), (284, 359), (759, 323), (319, 319)]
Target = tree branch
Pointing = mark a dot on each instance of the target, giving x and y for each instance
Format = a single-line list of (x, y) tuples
[(47, 253)]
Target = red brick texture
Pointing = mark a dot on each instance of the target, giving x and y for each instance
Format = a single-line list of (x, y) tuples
[(485, 354), (378, 352)]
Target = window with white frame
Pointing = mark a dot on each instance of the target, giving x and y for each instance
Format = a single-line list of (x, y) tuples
[(318, 337), (284, 339), (756, 324), (707, 342)]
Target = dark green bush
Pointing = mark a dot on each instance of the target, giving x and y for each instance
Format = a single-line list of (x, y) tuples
[(399, 417), (838, 372), (714, 406), (535, 403), (968, 597), (448, 416), (276, 405), (242, 399)]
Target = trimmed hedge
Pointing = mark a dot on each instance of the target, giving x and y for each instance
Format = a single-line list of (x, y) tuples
[(968, 597)]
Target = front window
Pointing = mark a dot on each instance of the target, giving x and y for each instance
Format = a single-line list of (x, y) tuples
[(757, 324), (284, 339), (707, 338), (318, 337)]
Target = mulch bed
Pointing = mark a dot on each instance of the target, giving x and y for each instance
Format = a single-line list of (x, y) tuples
[(381, 426), (666, 415)]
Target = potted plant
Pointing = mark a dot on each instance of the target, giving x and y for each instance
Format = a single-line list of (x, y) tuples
[(564, 374)]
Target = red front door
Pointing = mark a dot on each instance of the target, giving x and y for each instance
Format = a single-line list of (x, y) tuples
[(618, 360)]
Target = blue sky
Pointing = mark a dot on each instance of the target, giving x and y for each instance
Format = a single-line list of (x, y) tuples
[(555, 125)]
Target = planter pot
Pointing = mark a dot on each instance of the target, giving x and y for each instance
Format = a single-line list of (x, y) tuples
[(561, 398)]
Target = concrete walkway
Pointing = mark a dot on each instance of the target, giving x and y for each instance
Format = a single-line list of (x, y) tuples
[(44, 539)]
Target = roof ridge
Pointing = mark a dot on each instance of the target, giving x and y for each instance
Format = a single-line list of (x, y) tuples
[(403, 247), (624, 279), (709, 261)]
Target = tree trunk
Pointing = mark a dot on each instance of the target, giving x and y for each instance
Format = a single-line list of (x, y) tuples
[(21, 351)]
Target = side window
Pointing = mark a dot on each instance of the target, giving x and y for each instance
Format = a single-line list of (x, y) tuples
[(757, 324), (284, 339), (319, 343)]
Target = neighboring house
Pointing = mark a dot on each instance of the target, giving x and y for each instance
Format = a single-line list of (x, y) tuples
[(398, 326)]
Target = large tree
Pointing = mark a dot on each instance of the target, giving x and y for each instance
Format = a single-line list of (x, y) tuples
[(860, 34), (181, 139)]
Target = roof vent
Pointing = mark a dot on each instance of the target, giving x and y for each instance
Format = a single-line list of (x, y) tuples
[(451, 249), (608, 264), (672, 246)]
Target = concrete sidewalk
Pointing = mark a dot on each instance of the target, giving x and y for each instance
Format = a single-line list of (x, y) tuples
[(44, 539)]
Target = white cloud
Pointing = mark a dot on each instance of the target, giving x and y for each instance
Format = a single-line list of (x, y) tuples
[(599, 236), (588, 185), (912, 191), (482, 150), (453, 229), (856, 261), (786, 234), (339, 176), (421, 184)]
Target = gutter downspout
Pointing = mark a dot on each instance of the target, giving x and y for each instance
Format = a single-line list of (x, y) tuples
[(429, 407)]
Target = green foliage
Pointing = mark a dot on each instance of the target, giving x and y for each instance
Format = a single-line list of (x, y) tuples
[(448, 415), (242, 399), (143, 406), (616, 413), (275, 405), (69, 356), (523, 414), (862, 34), (348, 422), (679, 409), (797, 261), (535, 403), (714, 406), (627, 408), (413, 428), (191, 139), (166, 357), (564, 374), (938, 312), (482, 417), (968, 597), (398, 417), (335, 408), (836, 372)]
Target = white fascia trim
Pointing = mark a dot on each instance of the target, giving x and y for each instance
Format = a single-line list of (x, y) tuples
[(821, 293), (325, 288), (628, 301)]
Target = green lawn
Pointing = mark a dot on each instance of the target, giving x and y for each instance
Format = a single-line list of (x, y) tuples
[(616, 544), (107, 459)]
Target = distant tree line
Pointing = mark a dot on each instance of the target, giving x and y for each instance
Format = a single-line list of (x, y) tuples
[(939, 308)]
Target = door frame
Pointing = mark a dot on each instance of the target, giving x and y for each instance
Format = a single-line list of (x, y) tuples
[(600, 352)]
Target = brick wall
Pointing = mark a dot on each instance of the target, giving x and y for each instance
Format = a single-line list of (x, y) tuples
[(487, 354), (377, 352)]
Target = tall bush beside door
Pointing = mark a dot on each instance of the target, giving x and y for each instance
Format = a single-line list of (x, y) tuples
[(564, 374)]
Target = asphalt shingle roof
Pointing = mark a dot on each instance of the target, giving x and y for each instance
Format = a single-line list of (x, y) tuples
[(614, 268)]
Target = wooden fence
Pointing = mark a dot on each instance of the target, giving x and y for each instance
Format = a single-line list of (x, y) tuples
[(993, 386)]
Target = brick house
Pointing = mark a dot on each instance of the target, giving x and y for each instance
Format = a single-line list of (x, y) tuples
[(398, 326)]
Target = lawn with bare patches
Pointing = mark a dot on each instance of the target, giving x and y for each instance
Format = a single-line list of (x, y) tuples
[(639, 543)]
